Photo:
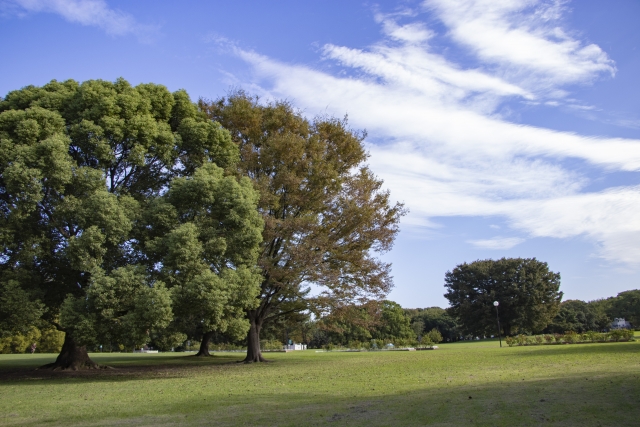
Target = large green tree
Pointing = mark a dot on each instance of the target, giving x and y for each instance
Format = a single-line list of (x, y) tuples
[(326, 215), (527, 291), (78, 166), (203, 235)]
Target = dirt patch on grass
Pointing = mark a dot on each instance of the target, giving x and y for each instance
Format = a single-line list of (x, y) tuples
[(361, 412)]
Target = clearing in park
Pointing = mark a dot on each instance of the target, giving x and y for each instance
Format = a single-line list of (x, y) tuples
[(460, 384)]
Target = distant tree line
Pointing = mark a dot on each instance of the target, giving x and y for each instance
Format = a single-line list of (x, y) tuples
[(529, 300), (529, 297), (580, 316)]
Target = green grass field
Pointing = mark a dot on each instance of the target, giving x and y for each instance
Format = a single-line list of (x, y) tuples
[(460, 384)]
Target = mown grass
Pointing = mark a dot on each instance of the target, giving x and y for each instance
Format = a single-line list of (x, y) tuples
[(466, 383)]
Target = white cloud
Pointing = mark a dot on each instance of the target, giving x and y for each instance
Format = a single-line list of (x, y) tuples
[(446, 124), (497, 243), (440, 146), (88, 12), (525, 38)]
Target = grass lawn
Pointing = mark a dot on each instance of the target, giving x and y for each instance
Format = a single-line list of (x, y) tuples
[(474, 383)]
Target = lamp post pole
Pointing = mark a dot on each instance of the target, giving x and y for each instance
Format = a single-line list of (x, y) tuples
[(496, 304)]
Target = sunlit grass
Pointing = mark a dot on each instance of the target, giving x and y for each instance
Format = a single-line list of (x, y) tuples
[(465, 383)]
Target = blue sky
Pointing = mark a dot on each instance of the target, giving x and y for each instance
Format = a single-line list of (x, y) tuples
[(508, 127)]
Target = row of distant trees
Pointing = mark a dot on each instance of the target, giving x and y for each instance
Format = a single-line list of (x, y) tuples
[(573, 315), (355, 326), (391, 323), (529, 300), (529, 297)]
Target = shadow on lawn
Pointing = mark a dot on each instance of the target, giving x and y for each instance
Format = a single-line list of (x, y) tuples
[(594, 400), (125, 368), (569, 349), (604, 396)]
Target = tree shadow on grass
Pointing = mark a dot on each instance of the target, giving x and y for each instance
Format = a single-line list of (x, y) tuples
[(600, 399), (317, 391), (568, 349), (125, 367)]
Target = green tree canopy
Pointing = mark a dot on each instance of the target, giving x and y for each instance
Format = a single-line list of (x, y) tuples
[(325, 213), (528, 293), (78, 166), (434, 318), (626, 305), (394, 324), (203, 238), (578, 316)]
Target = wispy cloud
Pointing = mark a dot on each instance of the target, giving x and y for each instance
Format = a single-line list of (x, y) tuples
[(95, 13), (435, 135), (497, 243), (525, 38)]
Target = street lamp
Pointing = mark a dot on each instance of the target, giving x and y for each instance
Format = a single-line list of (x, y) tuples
[(496, 304)]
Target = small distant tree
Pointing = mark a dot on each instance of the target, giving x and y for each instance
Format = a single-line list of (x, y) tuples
[(351, 323), (297, 327), (394, 323), (435, 317), (434, 336), (379, 320), (528, 293), (418, 328)]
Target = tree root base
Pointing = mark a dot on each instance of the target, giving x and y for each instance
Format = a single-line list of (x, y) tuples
[(202, 355), (75, 367), (259, 360)]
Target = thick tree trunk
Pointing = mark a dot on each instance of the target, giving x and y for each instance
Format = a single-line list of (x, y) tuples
[(72, 356), (204, 344), (253, 342)]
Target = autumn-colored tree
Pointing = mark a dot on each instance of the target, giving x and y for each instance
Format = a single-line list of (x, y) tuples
[(351, 323), (326, 215)]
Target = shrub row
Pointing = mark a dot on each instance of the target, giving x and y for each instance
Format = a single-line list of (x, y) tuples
[(571, 337), (47, 341)]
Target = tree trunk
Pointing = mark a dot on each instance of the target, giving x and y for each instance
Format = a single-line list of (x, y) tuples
[(204, 344), (72, 356), (507, 330), (253, 342)]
